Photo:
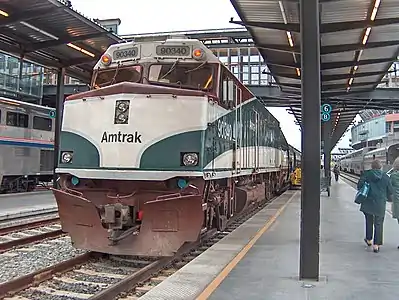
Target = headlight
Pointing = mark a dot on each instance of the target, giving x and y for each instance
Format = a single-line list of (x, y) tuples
[(122, 106), (190, 159), (66, 157), (122, 118)]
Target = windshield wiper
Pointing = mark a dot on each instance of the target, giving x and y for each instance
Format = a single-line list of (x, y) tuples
[(197, 68), (116, 73), (170, 70)]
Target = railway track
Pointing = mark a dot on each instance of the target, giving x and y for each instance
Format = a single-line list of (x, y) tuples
[(95, 276), (350, 177), (26, 233)]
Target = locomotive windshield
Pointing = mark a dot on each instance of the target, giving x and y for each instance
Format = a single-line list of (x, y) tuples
[(116, 75), (197, 76)]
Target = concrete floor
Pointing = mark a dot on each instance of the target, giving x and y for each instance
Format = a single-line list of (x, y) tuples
[(348, 269), (15, 203)]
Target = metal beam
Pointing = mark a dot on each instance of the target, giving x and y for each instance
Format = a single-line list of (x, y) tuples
[(377, 94), (344, 26), (324, 28), (331, 77), (354, 47), (311, 99), (62, 41), (334, 65), (293, 27), (58, 118), (51, 90), (78, 61), (229, 45), (27, 16), (327, 87), (352, 63), (327, 126)]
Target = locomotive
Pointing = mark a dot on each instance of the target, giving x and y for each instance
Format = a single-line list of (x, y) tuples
[(166, 145)]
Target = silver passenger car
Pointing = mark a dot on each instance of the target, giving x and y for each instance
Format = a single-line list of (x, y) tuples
[(26, 145)]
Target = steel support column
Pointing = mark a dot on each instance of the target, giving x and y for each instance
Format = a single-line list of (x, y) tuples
[(58, 117), (20, 74), (327, 148), (310, 195)]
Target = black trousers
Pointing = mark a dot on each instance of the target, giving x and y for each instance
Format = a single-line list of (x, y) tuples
[(374, 224)]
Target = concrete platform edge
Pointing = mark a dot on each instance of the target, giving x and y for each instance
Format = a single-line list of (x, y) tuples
[(191, 280), (29, 213), (24, 194)]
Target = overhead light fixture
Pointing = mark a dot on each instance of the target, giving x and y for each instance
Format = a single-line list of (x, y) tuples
[(84, 51), (366, 35), (351, 81), (298, 72), (39, 30), (375, 9), (4, 13), (290, 39)]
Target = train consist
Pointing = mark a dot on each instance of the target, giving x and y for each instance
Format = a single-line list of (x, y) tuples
[(26, 145), (166, 145), (360, 160)]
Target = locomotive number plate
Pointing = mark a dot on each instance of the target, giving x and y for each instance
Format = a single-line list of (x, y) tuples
[(173, 50), (126, 53)]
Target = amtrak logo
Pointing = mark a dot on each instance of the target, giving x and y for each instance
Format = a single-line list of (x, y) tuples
[(121, 137)]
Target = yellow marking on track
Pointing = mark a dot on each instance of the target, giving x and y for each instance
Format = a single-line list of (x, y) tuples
[(233, 263)]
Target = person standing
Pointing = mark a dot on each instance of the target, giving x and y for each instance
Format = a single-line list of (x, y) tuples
[(336, 172), (395, 185), (373, 207)]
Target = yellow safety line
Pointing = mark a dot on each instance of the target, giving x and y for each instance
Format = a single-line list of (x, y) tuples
[(223, 274)]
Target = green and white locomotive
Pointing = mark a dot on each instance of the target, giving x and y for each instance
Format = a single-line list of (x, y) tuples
[(166, 145)]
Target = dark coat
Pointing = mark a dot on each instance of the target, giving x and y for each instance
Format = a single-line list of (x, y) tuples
[(395, 200), (380, 191)]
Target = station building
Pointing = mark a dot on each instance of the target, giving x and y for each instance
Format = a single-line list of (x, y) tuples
[(376, 130)]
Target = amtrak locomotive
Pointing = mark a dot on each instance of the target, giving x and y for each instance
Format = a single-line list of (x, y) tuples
[(166, 145)]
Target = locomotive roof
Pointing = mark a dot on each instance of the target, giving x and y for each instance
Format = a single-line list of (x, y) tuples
[(182, 49)]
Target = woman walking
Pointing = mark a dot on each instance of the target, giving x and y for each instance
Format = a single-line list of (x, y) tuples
[(395, 185), (373, 207)]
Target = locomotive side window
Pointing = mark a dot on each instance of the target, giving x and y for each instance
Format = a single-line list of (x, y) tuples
[(229, 91), (41, 123), (17, 119)]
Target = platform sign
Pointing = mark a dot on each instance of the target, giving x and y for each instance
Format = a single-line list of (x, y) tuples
[(51, 114), (325, 111), (325, 117)]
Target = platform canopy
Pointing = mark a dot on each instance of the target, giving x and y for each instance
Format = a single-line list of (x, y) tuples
[(359, 42), (51, 33)]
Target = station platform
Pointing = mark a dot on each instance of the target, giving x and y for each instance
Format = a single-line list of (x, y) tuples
[(24, 204), (260, 259)]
